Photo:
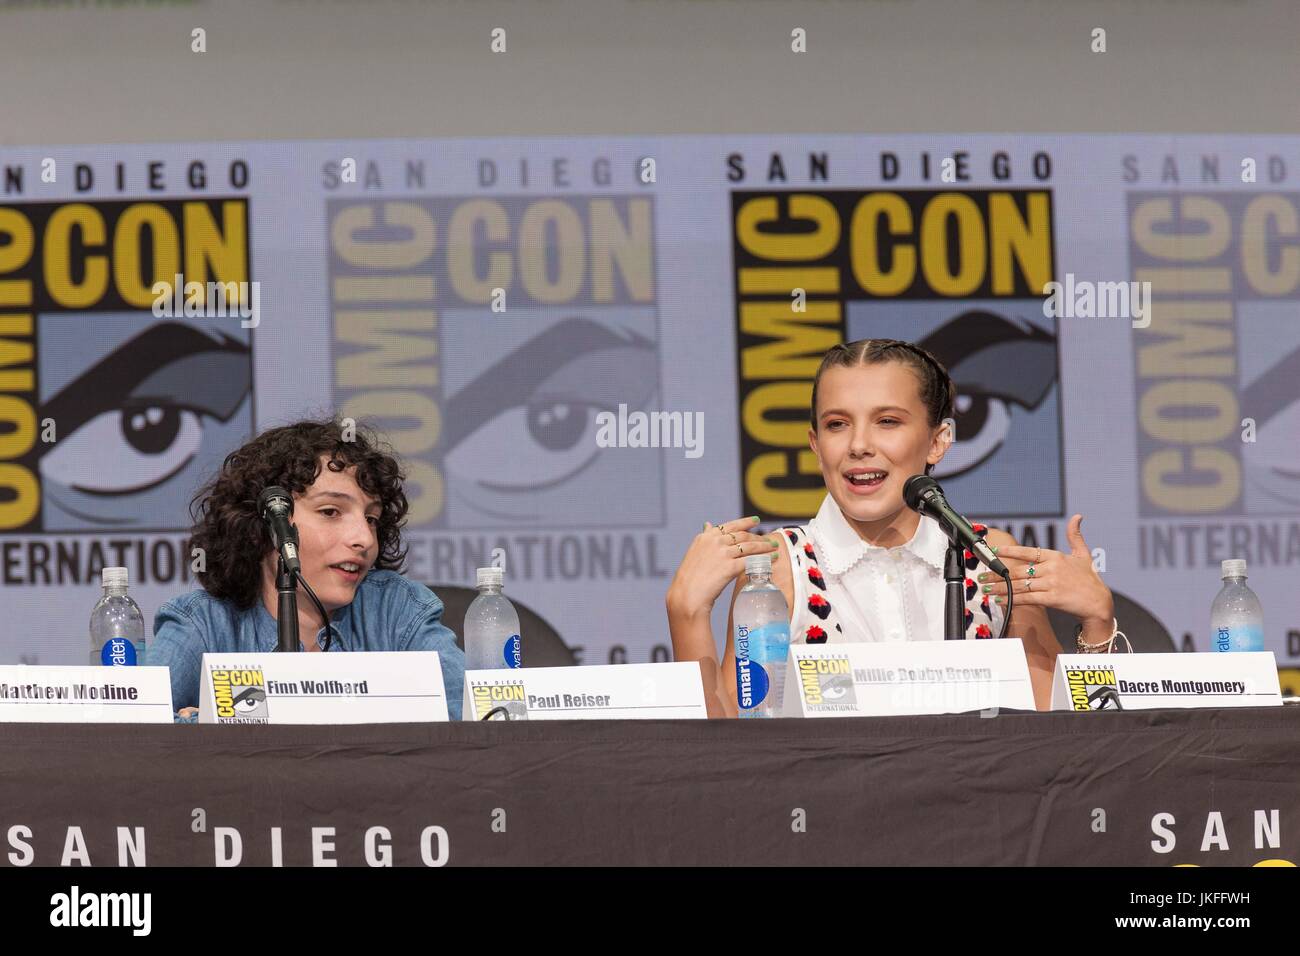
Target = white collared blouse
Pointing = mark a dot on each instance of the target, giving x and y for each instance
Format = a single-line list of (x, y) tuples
[(848, 590)]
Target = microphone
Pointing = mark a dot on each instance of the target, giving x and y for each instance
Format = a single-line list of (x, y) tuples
[(923, 494), (275, 506)]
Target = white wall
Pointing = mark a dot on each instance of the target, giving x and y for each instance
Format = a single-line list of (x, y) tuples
[(87, 72)]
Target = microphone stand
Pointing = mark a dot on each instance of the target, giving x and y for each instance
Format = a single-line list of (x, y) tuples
[(287, 621), (954, 591)]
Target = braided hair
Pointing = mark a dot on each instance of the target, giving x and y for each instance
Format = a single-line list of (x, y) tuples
[(938, 394)]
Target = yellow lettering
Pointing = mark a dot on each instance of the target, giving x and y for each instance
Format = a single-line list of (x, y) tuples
[(571, 255), (972, 256), (865, 256), (389, 357), (1209, 236), (461, 247), (128, 245), (59, 256), (1026, 240), (1263, 216), (789, 246), (630, 246), (1213, 495)]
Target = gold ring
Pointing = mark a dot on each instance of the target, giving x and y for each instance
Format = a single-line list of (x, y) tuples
[(732, 536), (1039, 559), (1029, 584), (740, 550)]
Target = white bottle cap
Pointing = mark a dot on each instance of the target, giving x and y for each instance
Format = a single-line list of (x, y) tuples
[(493, 576), (114, 577), (1233, 567), (758, 564)]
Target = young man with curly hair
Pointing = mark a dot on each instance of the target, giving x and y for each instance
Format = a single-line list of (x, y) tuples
[(349, 508)]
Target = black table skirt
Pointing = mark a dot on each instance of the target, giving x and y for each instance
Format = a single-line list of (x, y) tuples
[(1211, 788)]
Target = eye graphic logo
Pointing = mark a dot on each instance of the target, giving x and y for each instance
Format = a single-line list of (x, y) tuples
[(239, 695), (499, 697), (1092, 688), (1223, 346), (141, 408), (958, 272), (485, 336), (827, 683), (1007, 426)]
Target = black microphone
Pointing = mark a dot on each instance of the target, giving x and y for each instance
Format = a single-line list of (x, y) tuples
[(923, 494), (275, 506)]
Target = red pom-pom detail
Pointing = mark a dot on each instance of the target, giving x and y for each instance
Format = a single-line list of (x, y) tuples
[(819, 606)]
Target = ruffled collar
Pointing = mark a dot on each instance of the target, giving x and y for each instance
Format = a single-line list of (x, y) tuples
[(839, 547)]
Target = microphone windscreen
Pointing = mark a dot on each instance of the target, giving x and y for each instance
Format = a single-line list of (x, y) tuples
[(915, 487), (273, 493)]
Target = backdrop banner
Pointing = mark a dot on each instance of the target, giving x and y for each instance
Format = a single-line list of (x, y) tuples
[(585, 348)]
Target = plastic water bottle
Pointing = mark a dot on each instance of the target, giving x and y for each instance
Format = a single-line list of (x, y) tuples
[(492, 626), (762, 623), (1236, 618), (116, 624)]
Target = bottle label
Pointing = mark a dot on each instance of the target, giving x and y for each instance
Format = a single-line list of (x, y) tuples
[(751, 684), (752, 646), (118, 652), (512, 652), (1238, 639)]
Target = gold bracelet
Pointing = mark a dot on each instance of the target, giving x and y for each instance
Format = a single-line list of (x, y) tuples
[(1101, 647)]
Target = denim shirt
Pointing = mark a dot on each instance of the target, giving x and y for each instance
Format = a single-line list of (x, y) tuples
[(388, 613)]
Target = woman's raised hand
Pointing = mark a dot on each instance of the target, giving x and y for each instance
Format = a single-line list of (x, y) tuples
[(1045, 578), (715, 558)]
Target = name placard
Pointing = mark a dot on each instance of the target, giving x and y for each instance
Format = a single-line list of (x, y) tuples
[(593, 692), (914, 677), (363, 687), (1148, 681), (49, 694)]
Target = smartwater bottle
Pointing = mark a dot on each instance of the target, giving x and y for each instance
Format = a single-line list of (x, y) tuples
[(762, 623), (492, 626), (1236, 618), (116, 624)]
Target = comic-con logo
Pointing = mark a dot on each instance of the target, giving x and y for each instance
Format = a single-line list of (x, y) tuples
[(1092, 688), (1216, 369), (239, 695), (110, 416), (509, 697), (485, 336), (960, 272), (827, 683)]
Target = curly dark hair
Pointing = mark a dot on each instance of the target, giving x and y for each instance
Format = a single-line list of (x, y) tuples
[(234, 538)]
